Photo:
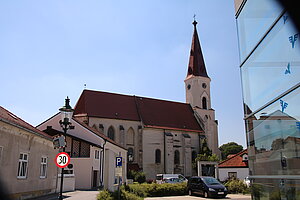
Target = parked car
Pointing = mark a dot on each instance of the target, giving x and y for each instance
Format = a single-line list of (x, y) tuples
[(173, 180), (161, 178), (206, 186)]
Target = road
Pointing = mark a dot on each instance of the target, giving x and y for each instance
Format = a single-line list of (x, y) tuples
[(92, 195), (230, 196)]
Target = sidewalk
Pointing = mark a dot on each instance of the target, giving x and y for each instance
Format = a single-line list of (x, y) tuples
[(74, 195)]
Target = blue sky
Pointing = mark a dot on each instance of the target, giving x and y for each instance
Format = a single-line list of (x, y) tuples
[(50, 49)]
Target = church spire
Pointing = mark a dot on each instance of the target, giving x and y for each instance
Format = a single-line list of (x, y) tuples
[(196, 63)]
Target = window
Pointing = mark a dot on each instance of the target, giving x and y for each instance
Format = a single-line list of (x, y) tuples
[(111, 133), (194, 156), (80, 149), (130, 137), (97, 153), (157, 156), (43, 170), (130, 154), (176, 157), (204, 103), (23, 164), (232, 175)]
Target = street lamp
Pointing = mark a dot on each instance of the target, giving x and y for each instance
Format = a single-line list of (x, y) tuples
[(65, 123)]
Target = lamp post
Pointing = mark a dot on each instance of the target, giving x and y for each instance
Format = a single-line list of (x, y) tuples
[(66, 116)]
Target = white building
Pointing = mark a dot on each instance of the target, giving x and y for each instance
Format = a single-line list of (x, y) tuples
[(235, 166), (93, 155)]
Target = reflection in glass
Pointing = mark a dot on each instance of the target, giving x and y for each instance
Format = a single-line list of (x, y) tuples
[(273, 68), (254, 21), (274, 138)]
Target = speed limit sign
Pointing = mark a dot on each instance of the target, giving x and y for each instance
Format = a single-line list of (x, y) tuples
[(62, 159)]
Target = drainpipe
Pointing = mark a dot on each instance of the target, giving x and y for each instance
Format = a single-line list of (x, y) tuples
[(165, 151), (102, 164)]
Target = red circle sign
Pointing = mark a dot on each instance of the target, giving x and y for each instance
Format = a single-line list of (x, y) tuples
[(62, 160)]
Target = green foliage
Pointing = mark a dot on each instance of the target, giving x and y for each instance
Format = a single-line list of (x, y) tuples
[(206, 157), (125, 195), (230, 148), (137, 176), (157, 190), (204, 148), (257, 191), (104, 195), (235, 186), (275, 195)]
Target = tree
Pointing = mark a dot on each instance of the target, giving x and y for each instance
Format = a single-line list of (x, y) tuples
[(230, 148)]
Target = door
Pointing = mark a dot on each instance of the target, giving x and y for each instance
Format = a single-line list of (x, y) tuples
[(95, 178)]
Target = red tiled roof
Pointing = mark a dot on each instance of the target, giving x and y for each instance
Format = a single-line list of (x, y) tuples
[(95, 131), (235, 161), (9, 117), (196, 63), (152, 112)]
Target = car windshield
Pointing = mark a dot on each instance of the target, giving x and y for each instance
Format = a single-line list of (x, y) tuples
[(211, 181), (158, 177)]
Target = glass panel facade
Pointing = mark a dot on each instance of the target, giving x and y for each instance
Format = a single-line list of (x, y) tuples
[(273, 67), (274, 138), (270, 71), (254, 21)]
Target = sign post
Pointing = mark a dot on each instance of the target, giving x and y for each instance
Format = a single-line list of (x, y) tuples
[(118, 172), (62, 159)]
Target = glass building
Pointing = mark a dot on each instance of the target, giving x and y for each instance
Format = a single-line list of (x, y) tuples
[(270, 71)]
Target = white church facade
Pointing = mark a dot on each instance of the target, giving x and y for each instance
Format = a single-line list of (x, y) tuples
[(160, 136)]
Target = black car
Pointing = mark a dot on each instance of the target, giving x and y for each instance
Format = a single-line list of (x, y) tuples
[(206, 186)]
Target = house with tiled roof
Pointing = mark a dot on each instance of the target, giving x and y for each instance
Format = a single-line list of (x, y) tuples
[(160, 136), (235, 166), (27, 155), (93, 155)]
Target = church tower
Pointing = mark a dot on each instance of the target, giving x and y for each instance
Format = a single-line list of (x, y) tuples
[(197, 88)]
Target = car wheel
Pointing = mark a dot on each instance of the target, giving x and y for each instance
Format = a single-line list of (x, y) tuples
[(205, 195), (190, 192)]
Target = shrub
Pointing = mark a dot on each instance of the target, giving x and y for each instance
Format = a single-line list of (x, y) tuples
[(158, 190), (104, 195), (125, 195), (236, 186), (257, 191), (137, 176)]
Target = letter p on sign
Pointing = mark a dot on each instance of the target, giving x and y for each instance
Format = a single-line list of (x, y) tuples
[(118, 161)]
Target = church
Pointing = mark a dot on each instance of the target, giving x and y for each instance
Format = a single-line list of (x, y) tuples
[(160, 136)]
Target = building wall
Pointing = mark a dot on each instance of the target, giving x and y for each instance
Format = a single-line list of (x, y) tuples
[(270, 55), (242, 173), (158, 139), (15, 141), (121, 136)]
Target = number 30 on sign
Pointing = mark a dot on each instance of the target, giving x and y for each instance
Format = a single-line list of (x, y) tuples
[(62, 159)]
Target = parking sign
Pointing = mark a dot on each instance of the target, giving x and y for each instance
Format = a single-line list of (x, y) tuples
[(118, 161)]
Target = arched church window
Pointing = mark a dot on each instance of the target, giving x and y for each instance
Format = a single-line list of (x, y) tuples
[(176, 157), (194, 156), (157, 156), (130, 137), (130, 154), (111, 133), (204, 103)]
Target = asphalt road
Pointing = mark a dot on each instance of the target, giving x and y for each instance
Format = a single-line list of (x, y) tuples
[(230, 196)]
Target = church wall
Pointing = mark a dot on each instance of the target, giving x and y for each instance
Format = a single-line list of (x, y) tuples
[(155, 139), (120, 134)]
